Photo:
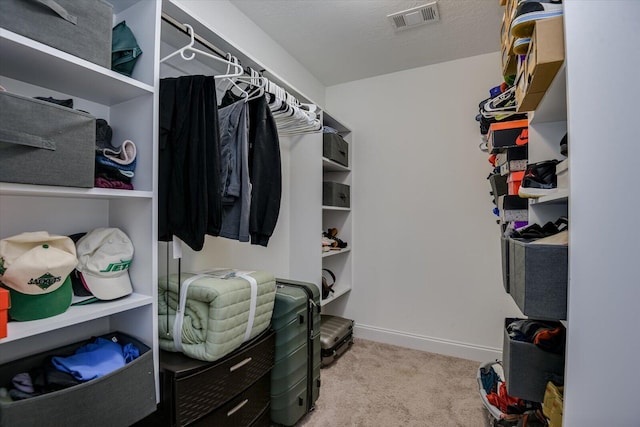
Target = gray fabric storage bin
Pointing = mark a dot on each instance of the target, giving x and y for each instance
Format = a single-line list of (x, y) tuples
[(120, 398), (89, 38), (527, 368), (335, 148), (335, 194), (44, 143), (538, 278), (504, 250)]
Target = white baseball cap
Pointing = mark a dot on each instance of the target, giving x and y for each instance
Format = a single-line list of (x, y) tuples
[(104, 257), (35, 267)]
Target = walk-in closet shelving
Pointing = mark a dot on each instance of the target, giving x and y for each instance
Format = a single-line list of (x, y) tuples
[(339, 262), (30, 68)]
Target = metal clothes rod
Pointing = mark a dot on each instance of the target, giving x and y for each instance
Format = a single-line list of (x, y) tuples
[(178, 25)]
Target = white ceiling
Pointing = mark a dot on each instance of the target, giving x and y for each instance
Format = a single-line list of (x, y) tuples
[(345, 40)]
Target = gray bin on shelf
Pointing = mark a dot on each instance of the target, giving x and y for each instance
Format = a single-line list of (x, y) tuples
[(504, 250), (83, 31), (335, 148), (528, 368), (45, 143), (538, 277), (336, 194), (119, 398)]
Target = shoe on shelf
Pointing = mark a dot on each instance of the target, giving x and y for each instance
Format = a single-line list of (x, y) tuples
[(539, 179), (564, 146), (521, 45), (527, 13)]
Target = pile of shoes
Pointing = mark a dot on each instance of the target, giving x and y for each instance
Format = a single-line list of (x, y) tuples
[(331, 242)]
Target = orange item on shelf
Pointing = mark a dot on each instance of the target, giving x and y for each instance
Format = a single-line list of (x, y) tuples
[(4, 307), (513, 182)]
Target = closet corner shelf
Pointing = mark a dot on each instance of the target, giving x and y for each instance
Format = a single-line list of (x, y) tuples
[(331, 166), (332, 253), (90, 81), (74, 315), (11, 189), (561, 196), (334, 208), (337, 294), (553, 107)]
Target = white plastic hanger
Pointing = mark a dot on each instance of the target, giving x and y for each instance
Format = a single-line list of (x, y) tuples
[(192, 53)]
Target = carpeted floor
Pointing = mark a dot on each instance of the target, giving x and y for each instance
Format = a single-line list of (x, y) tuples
[(376, 384)]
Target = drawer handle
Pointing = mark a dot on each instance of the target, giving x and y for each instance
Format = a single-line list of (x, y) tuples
[(237, 408), (240, 365)]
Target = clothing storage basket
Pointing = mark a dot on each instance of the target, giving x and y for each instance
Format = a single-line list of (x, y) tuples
[(78, 27), (45, 143), (119, 398)]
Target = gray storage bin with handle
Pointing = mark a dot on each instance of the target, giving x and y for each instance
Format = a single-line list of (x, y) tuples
[(44, 143), (78, 27)]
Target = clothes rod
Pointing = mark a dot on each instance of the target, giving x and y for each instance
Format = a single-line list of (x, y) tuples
[(179, 26)]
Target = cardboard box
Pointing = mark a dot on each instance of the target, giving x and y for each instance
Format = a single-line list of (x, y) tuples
[(528, 368), (505, 134), (543, 60), (513, 182), (4, 307)]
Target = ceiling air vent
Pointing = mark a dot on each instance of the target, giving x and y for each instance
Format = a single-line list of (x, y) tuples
[(415, 16)]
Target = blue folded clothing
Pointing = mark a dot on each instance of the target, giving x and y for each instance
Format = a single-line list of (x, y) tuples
[(95, 360), (105, 161)]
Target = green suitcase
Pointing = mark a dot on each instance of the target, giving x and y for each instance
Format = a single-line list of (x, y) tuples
[(295, 377)]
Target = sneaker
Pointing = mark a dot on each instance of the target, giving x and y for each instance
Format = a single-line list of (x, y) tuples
[(564, 146), (521, 45), (528, 13), (539, 180)]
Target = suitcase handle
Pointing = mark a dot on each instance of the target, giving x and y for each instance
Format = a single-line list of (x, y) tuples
[(59, 10), (26, 139)]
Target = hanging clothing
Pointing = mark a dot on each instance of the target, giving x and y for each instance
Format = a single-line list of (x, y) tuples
[(234, 171), (264, 170), (189, 199)]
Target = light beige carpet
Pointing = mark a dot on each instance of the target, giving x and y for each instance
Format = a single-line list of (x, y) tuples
[(376, 384)]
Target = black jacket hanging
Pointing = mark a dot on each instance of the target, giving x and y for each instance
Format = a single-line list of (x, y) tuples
[(264, 171), (189, 200)]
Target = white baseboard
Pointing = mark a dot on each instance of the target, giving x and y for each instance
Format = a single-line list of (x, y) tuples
[(433, 345)]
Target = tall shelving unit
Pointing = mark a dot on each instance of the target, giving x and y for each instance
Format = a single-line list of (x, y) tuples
[(130, 105), (339, 262)]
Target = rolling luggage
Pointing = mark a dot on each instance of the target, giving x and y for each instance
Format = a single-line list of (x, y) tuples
[(336, 337), (295, 378)]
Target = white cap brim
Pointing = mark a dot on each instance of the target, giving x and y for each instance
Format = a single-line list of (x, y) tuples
[(108, 288)]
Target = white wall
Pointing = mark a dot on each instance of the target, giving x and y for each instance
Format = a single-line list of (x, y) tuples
[(236, 28), (427, 263), (602, 378)]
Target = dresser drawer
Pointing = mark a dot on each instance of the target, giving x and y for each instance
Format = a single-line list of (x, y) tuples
[(243, 410), (192, 388)]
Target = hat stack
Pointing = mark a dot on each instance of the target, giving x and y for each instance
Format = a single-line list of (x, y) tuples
[(35, 268)]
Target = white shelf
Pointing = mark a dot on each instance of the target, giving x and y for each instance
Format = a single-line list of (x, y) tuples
[(334, 208), (332, 253), (553, 107), (337, 294), (11, 189), (331, 166), (559, 197), (41, 65), (74, 315)]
